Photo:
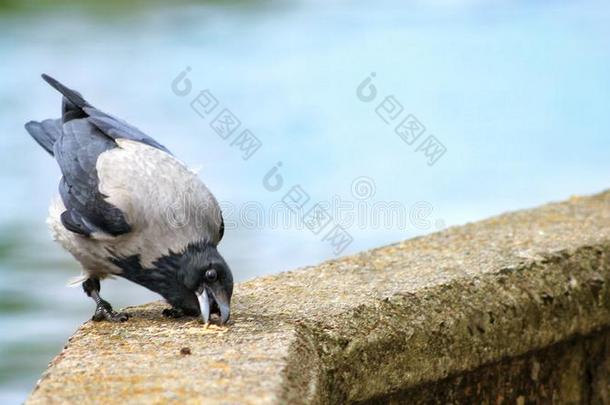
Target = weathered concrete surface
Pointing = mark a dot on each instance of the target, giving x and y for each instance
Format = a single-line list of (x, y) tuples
[(432, 319), (576, 371)]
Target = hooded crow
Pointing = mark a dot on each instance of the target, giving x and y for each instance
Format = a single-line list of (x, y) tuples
[(117, 194)]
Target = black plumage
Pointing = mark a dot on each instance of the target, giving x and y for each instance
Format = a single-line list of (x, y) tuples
[(193, 278)]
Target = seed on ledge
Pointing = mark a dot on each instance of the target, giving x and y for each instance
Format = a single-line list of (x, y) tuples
[(185, 351)]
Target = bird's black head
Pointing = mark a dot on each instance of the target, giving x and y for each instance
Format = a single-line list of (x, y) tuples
[(204, 272)]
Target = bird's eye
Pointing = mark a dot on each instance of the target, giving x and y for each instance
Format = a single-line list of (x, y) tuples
[(211, 275)]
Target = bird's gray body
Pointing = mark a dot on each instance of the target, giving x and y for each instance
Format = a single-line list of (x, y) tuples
[(125, 202), (165, 204)]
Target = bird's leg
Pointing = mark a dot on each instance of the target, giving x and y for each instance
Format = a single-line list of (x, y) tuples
[(103, 309)]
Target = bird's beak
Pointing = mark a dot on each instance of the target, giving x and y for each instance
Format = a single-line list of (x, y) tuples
[(204, 304), (219, 296), (224, 304)]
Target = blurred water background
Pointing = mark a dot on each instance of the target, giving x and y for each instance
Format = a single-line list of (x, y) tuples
[(517, 92)]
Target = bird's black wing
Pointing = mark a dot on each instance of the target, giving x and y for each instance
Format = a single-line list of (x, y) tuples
[(118, 129), (77, 140), (77, 149), (87, 210)]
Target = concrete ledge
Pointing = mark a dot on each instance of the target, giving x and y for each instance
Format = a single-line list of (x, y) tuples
[(514, 308)]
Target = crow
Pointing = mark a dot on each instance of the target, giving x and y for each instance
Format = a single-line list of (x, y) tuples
[(116, 212)]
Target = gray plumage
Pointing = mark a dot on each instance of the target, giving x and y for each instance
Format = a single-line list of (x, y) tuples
[(118, 192), (45, 132)]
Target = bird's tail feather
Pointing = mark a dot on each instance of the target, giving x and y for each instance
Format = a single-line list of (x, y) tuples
[(73, 102), (74, 96), (78, 280), (45, 132)]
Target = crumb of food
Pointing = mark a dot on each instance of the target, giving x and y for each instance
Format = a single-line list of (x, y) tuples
[(207, 327), (209, 330), (185, 351), (214, 327)]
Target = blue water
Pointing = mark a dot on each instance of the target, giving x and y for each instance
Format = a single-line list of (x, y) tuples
[(517, 93)]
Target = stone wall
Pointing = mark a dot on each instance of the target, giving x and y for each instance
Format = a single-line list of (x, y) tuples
[(513, 309)]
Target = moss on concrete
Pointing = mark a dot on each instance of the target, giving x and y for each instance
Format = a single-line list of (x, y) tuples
[(370, 326)]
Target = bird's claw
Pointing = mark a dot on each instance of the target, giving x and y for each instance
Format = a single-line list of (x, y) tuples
[(173, 313), (104, 312)]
